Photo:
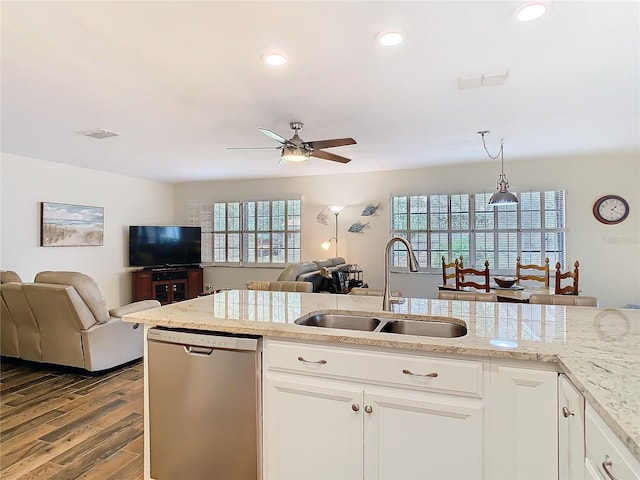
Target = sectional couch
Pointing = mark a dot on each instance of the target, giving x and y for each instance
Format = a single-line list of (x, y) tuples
[(321, 273)]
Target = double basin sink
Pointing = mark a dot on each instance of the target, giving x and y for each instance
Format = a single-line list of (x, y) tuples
[(429, 326)]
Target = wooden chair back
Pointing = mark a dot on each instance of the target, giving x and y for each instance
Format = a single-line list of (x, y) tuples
[(570, 289), (449, 269), (480, 278), (543, 277)]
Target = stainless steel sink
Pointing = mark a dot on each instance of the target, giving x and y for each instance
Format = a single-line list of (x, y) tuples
[(348, 322), (427, 327)]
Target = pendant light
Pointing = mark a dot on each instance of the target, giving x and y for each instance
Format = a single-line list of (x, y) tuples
[(503, 196)]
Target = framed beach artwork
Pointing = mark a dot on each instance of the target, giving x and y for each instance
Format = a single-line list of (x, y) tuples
[(64, 225)]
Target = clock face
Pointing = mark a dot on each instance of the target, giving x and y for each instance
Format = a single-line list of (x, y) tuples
[(611, 209)]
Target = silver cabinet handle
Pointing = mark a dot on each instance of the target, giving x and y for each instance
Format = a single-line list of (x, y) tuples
[(355, 407), (566, 412), (192, 350), (409, 372), (606, 465), (368, 408), (321, 362)]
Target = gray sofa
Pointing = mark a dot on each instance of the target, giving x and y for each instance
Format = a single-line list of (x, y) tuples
[(62, 318), (318, 272)]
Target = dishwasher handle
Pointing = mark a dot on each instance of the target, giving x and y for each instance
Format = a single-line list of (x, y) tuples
[(202, 351)]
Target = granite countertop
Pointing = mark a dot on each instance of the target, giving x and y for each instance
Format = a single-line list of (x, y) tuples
[(598, 349)]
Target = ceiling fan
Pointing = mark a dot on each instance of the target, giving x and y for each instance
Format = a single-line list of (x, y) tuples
[(297, 150)]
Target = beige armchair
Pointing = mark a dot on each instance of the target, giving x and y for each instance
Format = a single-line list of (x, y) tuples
[(19, 330), (74, 326), (9, 345)]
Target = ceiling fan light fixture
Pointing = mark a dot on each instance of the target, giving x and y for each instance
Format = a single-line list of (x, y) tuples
[(275, 59), (293, 153), (390, 39)]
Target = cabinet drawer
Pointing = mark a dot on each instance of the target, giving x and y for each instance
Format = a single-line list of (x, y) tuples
[(603, 448), (459, 377)]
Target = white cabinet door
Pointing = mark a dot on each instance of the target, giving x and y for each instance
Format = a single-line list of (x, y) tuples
[(570, 431), (312, 430), (411, 435), (522, 431)]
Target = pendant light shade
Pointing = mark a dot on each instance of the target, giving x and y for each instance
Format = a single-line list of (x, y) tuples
[(503, 196)]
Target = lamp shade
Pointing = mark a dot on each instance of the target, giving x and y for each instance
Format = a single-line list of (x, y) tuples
[(503, 198)]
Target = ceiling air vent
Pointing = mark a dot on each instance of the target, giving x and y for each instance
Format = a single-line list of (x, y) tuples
[(482, 80), (99, 133)]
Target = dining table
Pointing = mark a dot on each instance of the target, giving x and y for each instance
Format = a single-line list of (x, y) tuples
[(514, 294)]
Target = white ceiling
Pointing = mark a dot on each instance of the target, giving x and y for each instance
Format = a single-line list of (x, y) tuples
[(180, 81)]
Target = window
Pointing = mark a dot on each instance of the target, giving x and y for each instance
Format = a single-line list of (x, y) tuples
[(465, 224), (250, 233)]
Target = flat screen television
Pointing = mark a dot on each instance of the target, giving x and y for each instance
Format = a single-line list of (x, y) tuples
[(156, 246)]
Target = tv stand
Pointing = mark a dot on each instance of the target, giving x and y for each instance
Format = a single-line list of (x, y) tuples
[(167, 284)]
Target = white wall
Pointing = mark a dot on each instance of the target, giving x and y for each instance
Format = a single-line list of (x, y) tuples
[(603, 251), (26, 182)]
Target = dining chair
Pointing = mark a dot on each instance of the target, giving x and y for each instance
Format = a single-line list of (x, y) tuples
[(462, 275), (449, 269), (280, 286), (543, 278), (570, 289), (469, 296), (573, 300), (373, 292)]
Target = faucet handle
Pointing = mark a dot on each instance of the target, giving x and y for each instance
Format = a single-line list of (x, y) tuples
[(397, 300)]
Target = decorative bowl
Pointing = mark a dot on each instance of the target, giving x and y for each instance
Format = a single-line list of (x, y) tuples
[(505, 282)]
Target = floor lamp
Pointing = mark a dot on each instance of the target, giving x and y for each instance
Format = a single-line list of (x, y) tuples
[(336, 209)]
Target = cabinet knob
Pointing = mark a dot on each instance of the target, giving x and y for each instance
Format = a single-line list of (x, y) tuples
[(566, 412), (355, 407), (368, 408)]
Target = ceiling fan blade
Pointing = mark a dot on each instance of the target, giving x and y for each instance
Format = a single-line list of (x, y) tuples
[(329, 156), (253, 148), (336, 142), (273, 135)]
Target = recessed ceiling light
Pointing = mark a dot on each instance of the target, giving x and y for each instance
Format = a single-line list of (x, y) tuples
[(390, 39), (275, 59), (531, 12)]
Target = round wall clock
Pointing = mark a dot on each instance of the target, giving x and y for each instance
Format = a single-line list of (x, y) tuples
[(611, 209)]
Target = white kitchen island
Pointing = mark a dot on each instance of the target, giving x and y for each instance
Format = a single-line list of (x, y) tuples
[(502, 382)]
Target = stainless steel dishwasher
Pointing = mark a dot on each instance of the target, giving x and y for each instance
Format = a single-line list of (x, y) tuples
[(204, 405)]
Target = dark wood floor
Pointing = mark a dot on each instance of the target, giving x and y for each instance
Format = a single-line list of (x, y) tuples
[(61, 425)]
